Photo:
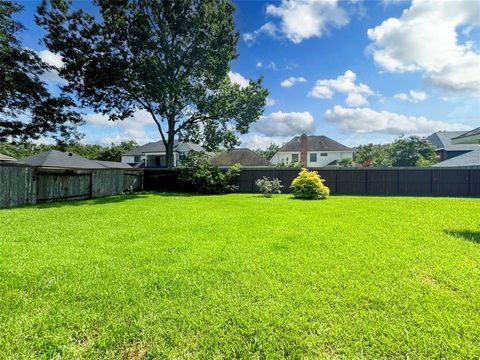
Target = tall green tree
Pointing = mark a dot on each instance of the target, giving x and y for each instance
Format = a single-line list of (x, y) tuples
[(170, 58), (268, 152), (412, 151), (27, 109)]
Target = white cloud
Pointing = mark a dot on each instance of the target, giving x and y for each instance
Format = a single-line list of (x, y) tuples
[(237, 78), (267, 29), (366, 120), (356, 94), (284, 124), (270, 101), (51, 59), (412, 96), (424, 38), (255, 141), (132, 128), (301, 19), (270, 66), (292, 81)]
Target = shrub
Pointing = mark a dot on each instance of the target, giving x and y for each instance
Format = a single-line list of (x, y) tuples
[(345, 162), (269, 187), (207, 179), (309, 185)]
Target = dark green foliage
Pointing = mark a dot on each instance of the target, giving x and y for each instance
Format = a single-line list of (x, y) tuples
[(170, 58), (204, 178), (112, 152), (345, 162), (268, 152), (410, 151), (27, 109)]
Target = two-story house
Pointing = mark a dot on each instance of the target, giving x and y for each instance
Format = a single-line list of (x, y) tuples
[(312, 151)]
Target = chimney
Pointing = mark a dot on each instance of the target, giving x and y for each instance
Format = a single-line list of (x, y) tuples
[(303, 150)]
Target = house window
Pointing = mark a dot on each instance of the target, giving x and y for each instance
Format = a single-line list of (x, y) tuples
[(137, 158), (313, 157), (294, 158), (181, 157), (324, 154)]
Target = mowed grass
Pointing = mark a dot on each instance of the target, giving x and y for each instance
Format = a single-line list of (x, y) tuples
[(240, 276)]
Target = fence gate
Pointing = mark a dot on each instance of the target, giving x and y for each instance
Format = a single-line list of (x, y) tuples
[(63, 185)]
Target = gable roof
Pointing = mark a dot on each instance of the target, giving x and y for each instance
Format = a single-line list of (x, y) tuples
[(442, 140), (6, 158), (315, 143), (158, 146), (112, 164), (59, 159), (469, 133), (470, 159), (242, 156)]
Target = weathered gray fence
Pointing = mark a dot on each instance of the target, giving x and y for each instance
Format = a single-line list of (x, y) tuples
[(386, 181), (23, 185)]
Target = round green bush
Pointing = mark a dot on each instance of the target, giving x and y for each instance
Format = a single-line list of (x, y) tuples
[(309, 185)]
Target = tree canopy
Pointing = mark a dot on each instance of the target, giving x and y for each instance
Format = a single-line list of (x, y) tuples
[(170, 58), (404, 151), (27, 109)]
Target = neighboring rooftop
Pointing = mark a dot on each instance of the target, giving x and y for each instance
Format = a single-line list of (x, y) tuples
[(470, 137), (158, 146), (442, 140), (68, 160), (315, 143), (470, 159), (6, 158), (242, 156)]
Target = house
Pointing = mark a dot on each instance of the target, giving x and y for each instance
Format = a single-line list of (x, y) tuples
[(312, 151), (153, 155), (67, 160), (244, 157), (470, 137), (449, 144), (6, 158), (470, 159)]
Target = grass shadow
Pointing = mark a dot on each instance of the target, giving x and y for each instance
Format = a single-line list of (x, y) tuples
[(473, 236), (97, 201)]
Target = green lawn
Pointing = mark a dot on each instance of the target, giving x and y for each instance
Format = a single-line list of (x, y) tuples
[(172, 276)]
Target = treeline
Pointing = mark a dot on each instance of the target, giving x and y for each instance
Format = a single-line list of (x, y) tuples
[(112, 152), (405, 151)]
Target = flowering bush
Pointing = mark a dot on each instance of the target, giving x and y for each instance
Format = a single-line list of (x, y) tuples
[(309, 185), (269, 187)]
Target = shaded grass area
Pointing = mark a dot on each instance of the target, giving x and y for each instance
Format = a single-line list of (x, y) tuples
[(151, 276)]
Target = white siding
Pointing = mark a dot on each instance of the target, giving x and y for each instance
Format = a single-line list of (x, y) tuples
[(127, 159), (331, 156)]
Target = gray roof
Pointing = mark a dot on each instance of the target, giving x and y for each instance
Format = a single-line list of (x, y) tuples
[(58, 159), (158, 146), (6, 158), (442, 140), (470, 159), (469, 133), (112, 164), (68, 160), (315, 143), (242, 156)]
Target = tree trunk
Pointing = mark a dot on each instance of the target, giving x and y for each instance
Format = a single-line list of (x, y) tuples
[(169, 149)]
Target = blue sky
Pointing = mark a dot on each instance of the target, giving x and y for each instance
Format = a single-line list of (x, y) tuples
[(357, 71)]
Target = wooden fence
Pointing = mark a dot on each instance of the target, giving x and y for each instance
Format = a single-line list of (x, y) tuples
[(23, 185), (372, 181)]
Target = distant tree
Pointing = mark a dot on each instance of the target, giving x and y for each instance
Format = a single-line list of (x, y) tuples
[(412, 151), (170, 58), (268, 153), (345, 162), (373, 155), (27, 109), (114, 151)]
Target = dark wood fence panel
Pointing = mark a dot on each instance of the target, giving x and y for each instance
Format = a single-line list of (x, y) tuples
[(16, 186), (22, 185), (415, 182), (55, 185), (391, 181)]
